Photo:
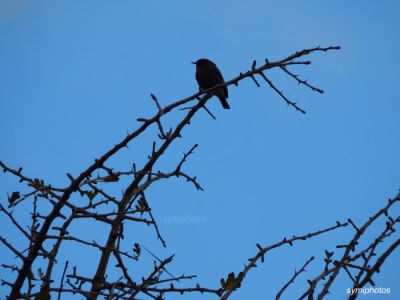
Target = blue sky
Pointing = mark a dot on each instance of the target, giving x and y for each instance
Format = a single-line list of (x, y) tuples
[(74, 76)]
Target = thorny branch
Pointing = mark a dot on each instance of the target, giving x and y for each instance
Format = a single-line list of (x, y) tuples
[(345, 262), (87, 196), (292, 279), (347, 258)]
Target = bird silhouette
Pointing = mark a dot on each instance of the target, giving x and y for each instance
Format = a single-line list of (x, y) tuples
[(207, 76)]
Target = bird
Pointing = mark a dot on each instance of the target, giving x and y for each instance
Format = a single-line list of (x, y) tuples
[(207, 76)]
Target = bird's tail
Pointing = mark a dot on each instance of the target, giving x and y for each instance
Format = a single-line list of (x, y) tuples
[(222, 99)]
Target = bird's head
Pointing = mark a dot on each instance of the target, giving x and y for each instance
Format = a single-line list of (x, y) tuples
[(202, 62)]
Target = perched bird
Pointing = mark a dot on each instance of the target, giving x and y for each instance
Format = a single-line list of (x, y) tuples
[(207, 76)]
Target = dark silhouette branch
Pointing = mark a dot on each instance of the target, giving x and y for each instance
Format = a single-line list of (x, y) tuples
[(260, 256), (292, 279), (89, 196)]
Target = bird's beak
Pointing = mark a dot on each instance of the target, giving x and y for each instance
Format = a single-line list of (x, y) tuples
[(193, 62)]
